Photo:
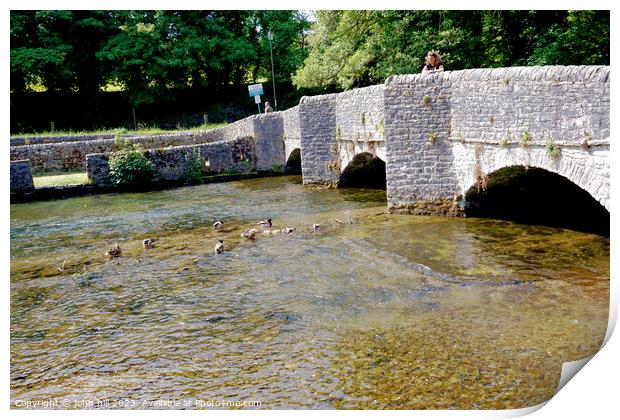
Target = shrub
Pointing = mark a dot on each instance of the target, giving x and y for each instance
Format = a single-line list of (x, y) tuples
[(129, 167), (193, 169)]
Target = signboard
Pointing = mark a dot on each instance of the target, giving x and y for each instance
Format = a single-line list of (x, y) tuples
[(257, 99), (256, 89)]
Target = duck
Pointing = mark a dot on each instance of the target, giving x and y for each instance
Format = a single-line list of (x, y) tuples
[(288, 230), (218, 224), (219, 246), (148, 243), (114, 252), (265, 223), (315, 226), (249, 234)]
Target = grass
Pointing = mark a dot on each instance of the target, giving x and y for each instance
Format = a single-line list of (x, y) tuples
[(60, 179), (122, 131)]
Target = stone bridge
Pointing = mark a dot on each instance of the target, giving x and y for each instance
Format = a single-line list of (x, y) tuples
[(438, 135), (441, 134)]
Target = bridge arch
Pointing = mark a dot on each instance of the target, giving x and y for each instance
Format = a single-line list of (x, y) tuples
[(364, 170), (587, 168), (535, 195), (293, 162)]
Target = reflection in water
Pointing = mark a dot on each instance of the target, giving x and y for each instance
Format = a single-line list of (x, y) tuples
[(370, 311)]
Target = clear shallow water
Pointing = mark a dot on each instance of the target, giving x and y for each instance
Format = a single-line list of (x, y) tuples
[(380, 311)]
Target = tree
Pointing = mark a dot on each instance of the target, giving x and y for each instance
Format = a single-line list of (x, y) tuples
[(357, 48)]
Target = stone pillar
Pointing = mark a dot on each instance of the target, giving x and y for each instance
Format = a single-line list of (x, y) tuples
[(21, 176), (269, 137), (420, 176), (98, 170), (319, 151)]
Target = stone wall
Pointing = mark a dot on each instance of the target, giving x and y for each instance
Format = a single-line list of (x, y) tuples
[(68, 153), (269, 137), (292, 134), (445, 131), (71, 155), (360, 123), (336, 127), (171, 164), (319, 153), (21, 176)]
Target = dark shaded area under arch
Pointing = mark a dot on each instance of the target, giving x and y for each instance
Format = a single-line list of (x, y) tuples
[(293, 163), (537, 196), (364, 171)]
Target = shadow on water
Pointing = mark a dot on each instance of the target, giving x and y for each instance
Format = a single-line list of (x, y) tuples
[(537, 196)]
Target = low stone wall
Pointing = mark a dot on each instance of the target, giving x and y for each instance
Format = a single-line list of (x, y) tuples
[(70, 156), (266, 129), (21, 176), (26, 140), (171, 164)]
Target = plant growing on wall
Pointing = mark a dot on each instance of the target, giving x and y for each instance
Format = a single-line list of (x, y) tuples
[(193, 168), (427, 100), (553, 150), (338, 133), (363, 118), (432, 137), (380, 126), (129, 167), (526, 138)]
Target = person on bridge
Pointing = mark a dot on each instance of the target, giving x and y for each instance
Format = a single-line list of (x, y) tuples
[(434, 64), (268, 108)]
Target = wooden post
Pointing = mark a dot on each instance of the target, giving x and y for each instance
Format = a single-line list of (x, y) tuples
[(52, 126), (205, 117), (133, 111)]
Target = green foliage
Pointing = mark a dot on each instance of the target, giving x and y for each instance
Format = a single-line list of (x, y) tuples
[(129, 167), (553, 150), (505, 142), (150, 52), (380, 126), (427, 100), (432, 137), (276, 167), (526, 138), (356, 48), (193, 167)]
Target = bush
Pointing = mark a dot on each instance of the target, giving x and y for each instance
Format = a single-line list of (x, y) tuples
[(193, 170), (130, 168)]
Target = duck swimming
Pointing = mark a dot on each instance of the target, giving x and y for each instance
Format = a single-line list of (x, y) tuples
[(218, 224), (148, 243), (288, 230), (265, 223), (249, 234), (114, 252), (315, 226), (219, 247)]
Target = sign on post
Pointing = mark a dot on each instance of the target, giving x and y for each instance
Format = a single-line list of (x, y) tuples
[(257, 101), (256, 89)]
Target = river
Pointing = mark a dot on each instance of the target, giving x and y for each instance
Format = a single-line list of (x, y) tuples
[(369, 311)]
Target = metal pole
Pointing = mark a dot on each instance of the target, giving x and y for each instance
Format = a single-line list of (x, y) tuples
[(273, 77)]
